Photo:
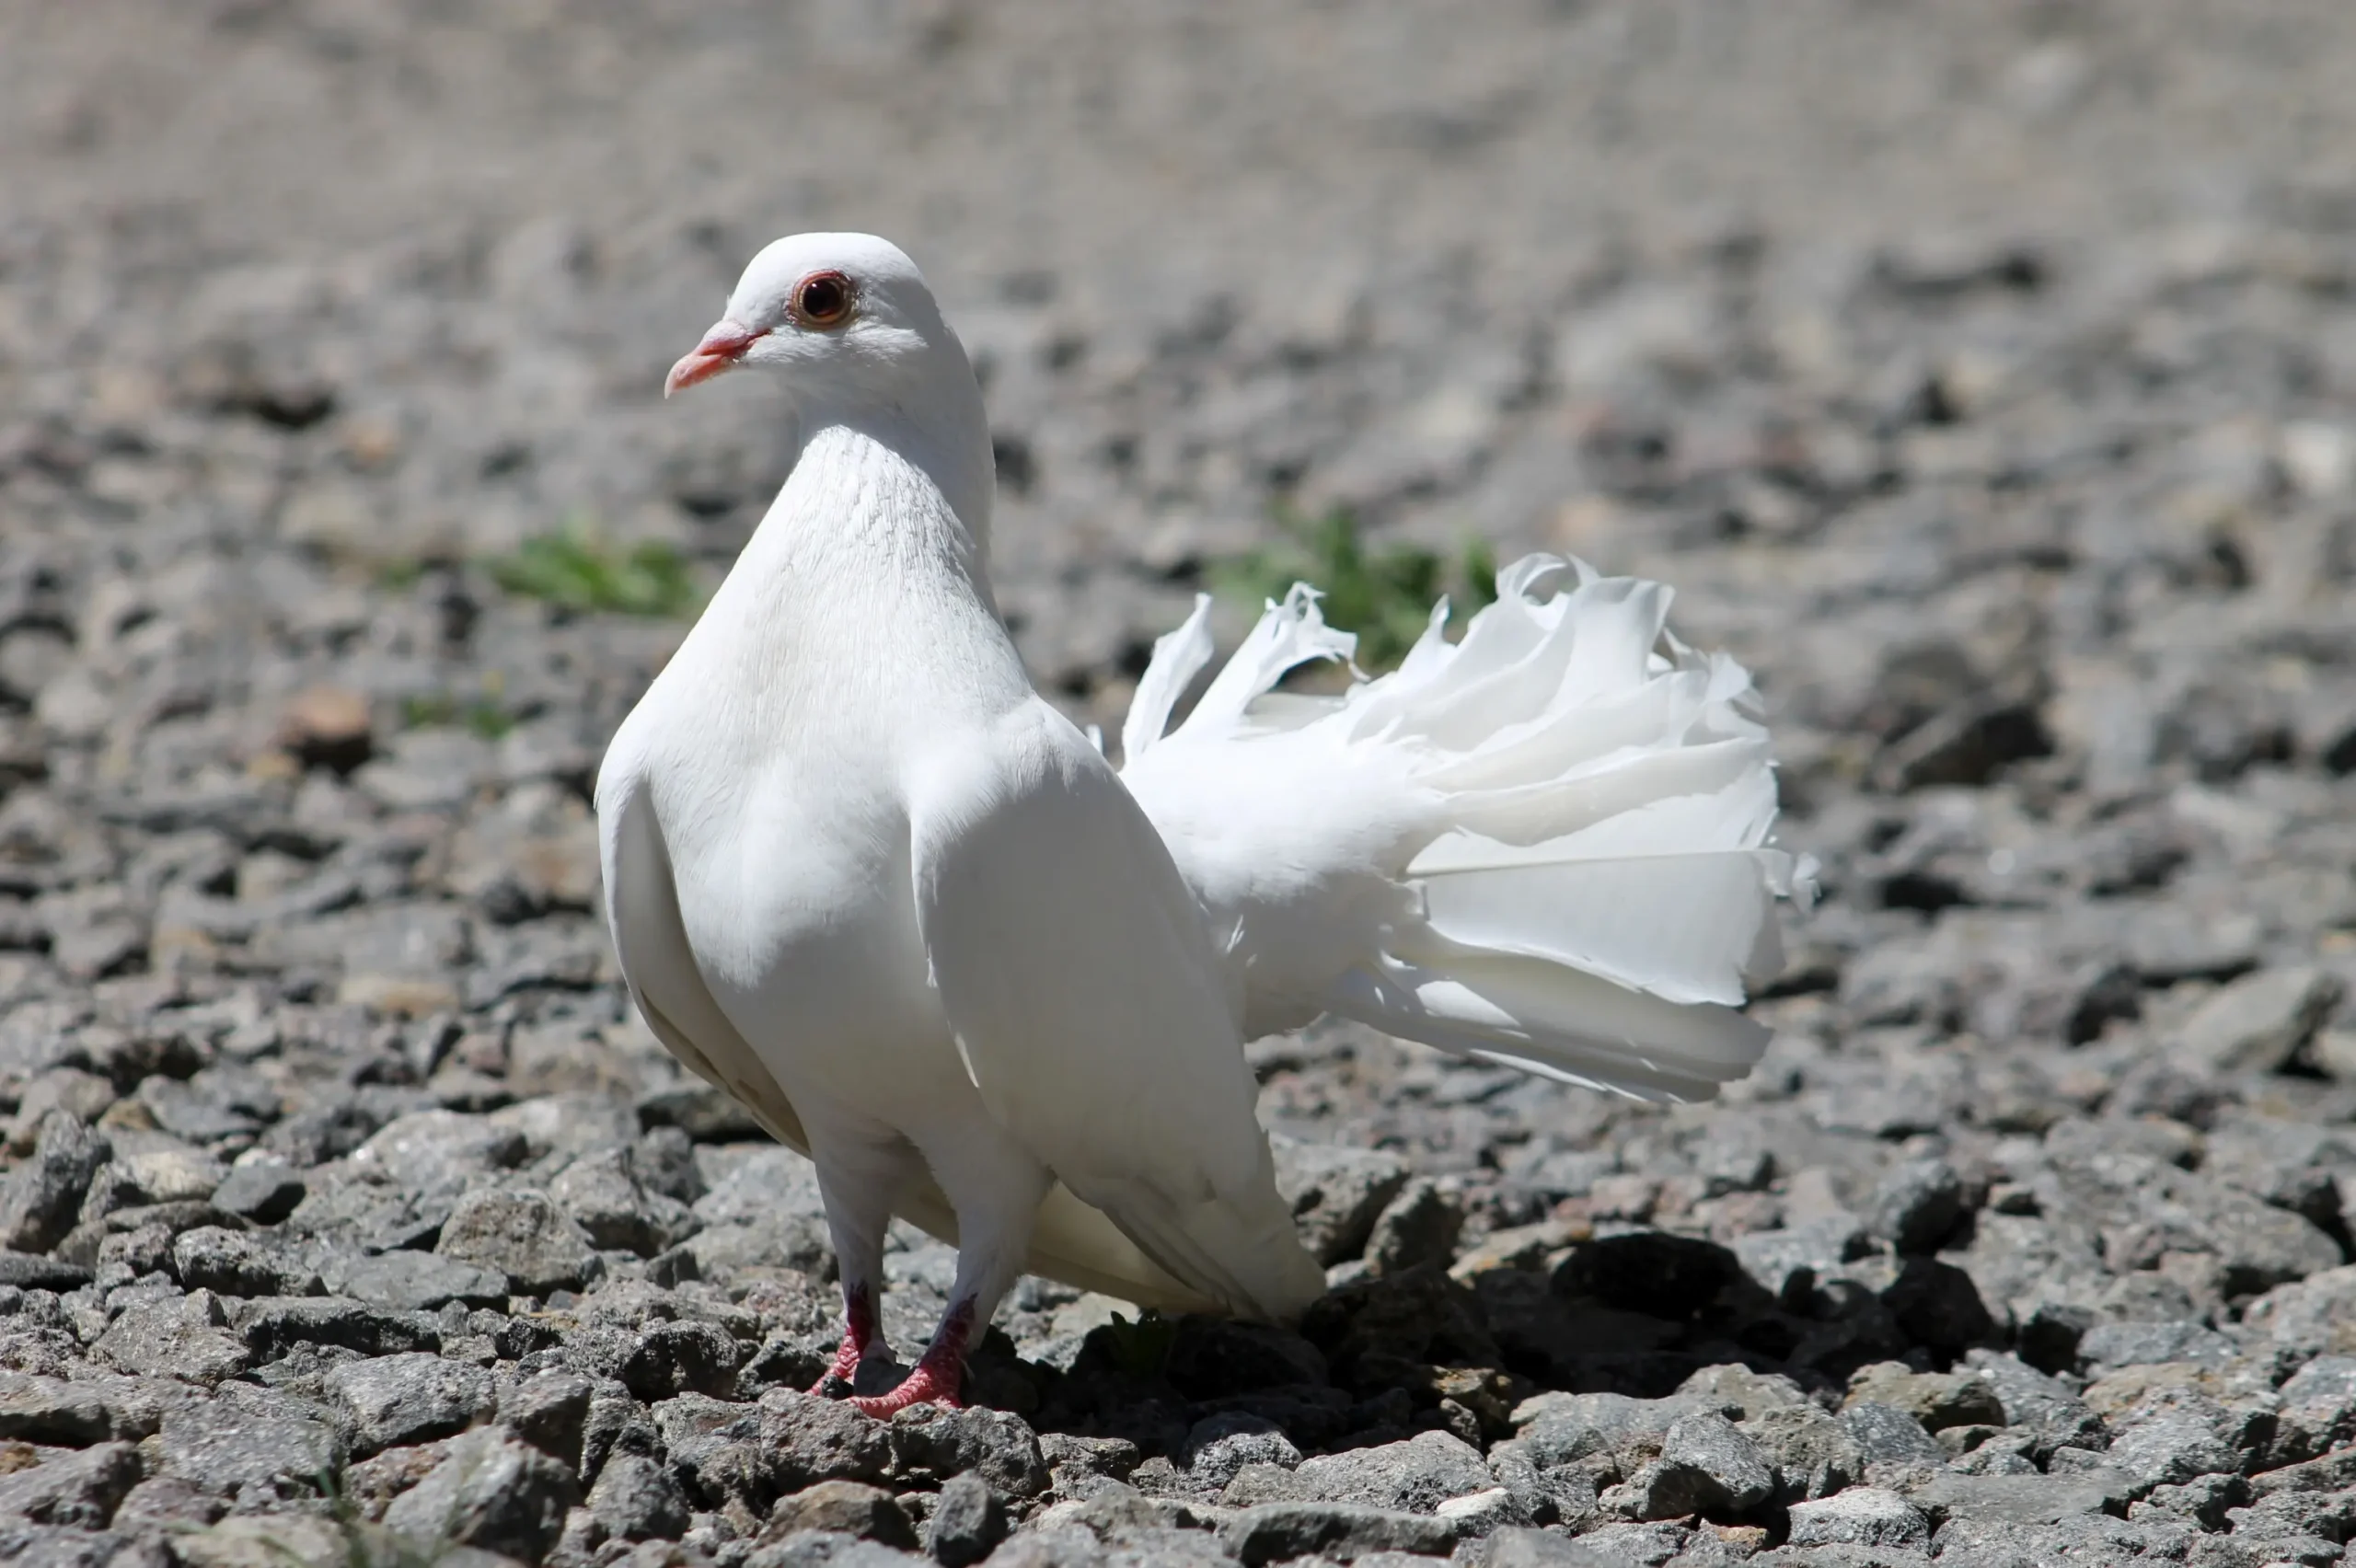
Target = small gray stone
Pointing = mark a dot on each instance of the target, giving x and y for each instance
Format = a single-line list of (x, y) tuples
[(1543, 1548), (264, 1191), (489, 1490), (1917, 1205), (42, 1197), (2106, 1347), (79, 1489), (1279, 1532), (549, 1412), (51, 1411), (1639, 1545), (1219, 1446), (2319, 1400), (1716, 1465), (1335, 1194), (1938, 1400), (1419, 1226), (679, 1357), (967, 1522), (604, 1195), (439, 1150), (2023, 1499), (2259, 1022), (845, 1507), (635, 1499), (521, 1233), (30, 1271), (1887, 1435), (2170, 1449), (1786, 1263), (1863, 1516), (2036, 1403), (413, 1282), (148, 1176), (409, 1399), (213, 1257), (254, 1439), (274, 1325), (188, 1337), (1813, 1454), (932, 1441), (1416, 1476)]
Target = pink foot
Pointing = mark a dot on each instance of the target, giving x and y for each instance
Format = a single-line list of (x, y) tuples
[(938, 1373), (928, 1383), (859, 1331)]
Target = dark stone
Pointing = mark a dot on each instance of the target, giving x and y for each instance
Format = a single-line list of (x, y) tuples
[(1917, 1205), (273, 1325), (928, 1441), (682, 1357), (43, 1196), (1336, 1192), (635, 1499), (1212, 1357), (967, 1522), (1419, 1226), (705, 1113), (29, 1271), (549, 1412), (1719, 1467), (1650, 1272), (1937, 1305), (263, 1193), (413, 1282)]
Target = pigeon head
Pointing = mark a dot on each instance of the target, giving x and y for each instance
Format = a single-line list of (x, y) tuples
[(843, 318)]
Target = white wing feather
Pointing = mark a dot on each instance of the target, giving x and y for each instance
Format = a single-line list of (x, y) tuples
[(1091, 1011)]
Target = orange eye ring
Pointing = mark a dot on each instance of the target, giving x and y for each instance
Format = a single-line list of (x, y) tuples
[(823, 300)]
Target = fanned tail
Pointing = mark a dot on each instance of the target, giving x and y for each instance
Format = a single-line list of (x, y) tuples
[(1548, 844)]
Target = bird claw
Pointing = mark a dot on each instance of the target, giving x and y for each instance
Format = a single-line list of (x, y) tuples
[(928, 1383)]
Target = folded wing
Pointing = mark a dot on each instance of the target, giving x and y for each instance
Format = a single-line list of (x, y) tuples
[(1091, 1012)]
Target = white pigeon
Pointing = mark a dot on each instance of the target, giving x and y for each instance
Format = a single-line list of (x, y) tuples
[(861, 876)]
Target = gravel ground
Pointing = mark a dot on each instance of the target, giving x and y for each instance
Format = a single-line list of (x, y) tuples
[(1983, 376)]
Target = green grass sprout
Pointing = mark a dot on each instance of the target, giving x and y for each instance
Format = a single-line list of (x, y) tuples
[(1385, 597), (577, 568)]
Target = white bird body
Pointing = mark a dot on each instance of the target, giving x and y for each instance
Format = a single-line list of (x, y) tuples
[(861, 876)]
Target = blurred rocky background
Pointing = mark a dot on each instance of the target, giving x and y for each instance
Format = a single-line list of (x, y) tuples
[(1984, 376)]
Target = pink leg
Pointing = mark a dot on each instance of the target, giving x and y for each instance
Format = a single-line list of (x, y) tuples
[(938, 1373), (859, 1333)]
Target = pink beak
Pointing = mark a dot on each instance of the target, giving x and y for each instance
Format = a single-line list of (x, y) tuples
[(720, 349)]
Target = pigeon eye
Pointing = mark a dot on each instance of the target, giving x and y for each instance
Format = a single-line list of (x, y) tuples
[(822, 299)]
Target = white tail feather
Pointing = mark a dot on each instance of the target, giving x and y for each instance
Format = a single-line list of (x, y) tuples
[(1548, 844)]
